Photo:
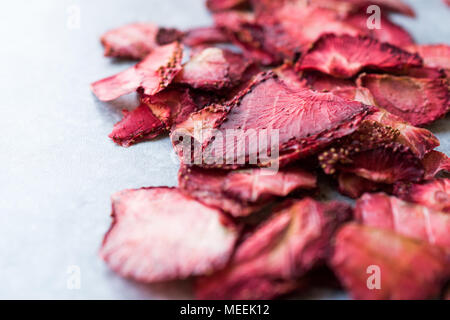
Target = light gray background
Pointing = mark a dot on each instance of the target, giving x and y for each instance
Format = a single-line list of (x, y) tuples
[(57, 166)]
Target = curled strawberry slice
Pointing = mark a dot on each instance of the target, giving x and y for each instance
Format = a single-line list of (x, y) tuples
[(155, 115), (151, 75)]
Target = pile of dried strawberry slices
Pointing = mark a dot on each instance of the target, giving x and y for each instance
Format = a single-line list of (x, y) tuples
[(277, 96)]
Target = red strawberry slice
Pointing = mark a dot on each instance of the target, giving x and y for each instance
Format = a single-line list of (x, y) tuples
[(242, 192), (434, 162), (155, 116), (346, 56), (411, 220), (269, 262), (389, 31), (417, 101), (419, 140), (151, 75), (304, 120), (137, 125), (221, 5), (434, 194), (354, 186)]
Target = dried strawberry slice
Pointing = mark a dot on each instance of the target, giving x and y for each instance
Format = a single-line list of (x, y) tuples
[(304, 121), (386, 164), (242, 192), (397, 6), (204, 36), (419, 140), (302, 25), (256, 185), (346, 56), (290, 77), (169, 35), (427, 73), (206, 185), (196, 131), (222, 5), (252, 39), (213, 69), (354, 186), (148, 240), (137, 40), (434, 194), (171, 106), (325, 83), (133, 41), (282, 30), (151, 75), (137, 125), (371, 154), (154, 116), (370, 135), (434, 55), (417, 101), (389, 31), (406, 268), (411, 220), (270, 261), (434, 162), (233, 20)]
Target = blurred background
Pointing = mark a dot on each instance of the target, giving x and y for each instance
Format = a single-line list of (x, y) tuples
[(58, 168)]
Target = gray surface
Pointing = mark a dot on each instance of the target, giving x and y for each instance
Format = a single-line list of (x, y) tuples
[(57, 166)]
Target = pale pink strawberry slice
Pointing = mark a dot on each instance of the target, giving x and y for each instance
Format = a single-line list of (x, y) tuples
[(205, 36), (213, 69), (159, 234), (137, 40)]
